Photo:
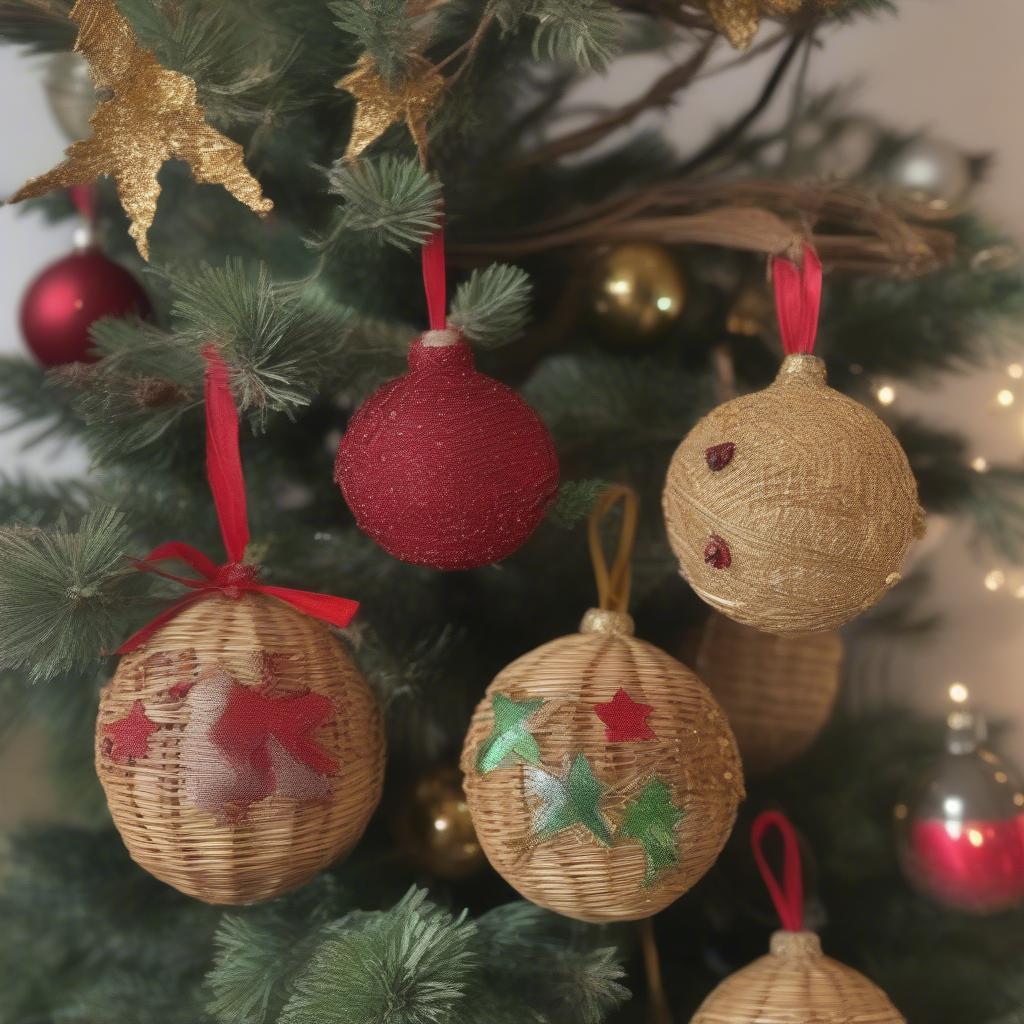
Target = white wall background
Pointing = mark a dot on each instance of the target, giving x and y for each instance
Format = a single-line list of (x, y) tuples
[(952, 66)]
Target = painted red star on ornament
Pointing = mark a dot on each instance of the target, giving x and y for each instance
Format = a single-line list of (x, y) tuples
[(128, 738), (626, 720)]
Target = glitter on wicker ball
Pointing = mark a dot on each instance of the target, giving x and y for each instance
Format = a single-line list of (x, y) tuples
[(777, 691), (795, 982), (239, 747), (792, 509), (445, 466), (240, 750), (602, 777)]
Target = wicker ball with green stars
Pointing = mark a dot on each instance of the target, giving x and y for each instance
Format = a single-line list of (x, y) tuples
[(602, 777)]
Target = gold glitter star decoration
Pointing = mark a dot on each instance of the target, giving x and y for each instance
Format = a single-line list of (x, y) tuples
[(379, 106), (150, 114), (738, 20)]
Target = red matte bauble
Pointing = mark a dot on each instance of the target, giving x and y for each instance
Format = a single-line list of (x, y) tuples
[(444, 466), (67, 298)]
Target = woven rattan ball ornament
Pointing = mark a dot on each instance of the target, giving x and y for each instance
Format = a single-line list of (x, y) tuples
[(239, 747), (445, 466), (602, 777), (795, 983), (792, 509), (777, 691)]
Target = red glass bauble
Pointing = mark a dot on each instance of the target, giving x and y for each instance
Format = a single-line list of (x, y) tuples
[(444, 466), (962, 829), (67, 298)]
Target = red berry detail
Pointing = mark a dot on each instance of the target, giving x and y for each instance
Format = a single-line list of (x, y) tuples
[(720, 455), (717, 553)]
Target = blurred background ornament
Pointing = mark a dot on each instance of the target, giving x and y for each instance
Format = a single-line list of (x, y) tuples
[(635, 293), (70, 93), (776, 691), (961, 831), (433, 826), (752, 313), (931, 172)]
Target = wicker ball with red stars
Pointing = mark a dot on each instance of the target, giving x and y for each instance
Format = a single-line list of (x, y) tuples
[(68, 297)]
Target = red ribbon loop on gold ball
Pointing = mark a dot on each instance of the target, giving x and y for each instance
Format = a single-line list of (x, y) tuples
[(227, 483), (788, 897), (797, 301), (434, 283)]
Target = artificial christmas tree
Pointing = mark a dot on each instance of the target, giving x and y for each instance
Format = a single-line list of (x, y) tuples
[(370, 126)]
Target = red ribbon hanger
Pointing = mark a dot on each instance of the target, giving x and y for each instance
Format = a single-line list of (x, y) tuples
[(235, 577), (434, 281), (797, 301), (789, 896)]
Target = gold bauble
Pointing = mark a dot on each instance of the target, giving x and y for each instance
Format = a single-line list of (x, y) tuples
[(644, 739), (240, 750), (434, 827), (931, 172), (776, 691), (636, 293), (796, 982), (791, 509), (752, 312)]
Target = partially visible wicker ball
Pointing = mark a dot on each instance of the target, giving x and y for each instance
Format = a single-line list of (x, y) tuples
[(277, 843), (777, 691), (694, 753), (791, 509), (797, 984)]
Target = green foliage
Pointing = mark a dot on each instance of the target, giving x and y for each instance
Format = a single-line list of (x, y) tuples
[(42, 27), (587, 33), (60, 590), (492, 307), (575, 501), (407, 966), (381, 28), (29, 402), (390, 200)]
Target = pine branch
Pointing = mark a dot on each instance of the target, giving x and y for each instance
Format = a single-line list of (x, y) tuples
[(575, 501), (391, 201), (410, 964), (587, 33), (31, 402), (492, 307), (383, 29), (61, 592)]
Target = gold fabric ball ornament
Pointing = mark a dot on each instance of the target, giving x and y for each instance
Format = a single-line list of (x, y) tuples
[(797, 982), (777, 691), (791, 509), (240, 750), (602, 777), (70, 93), (434, 828), (636, 292)]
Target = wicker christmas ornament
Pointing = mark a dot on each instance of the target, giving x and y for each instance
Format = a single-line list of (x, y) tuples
[(263, 757), (795, 983), (791, 509), (777, 691), (239, 747), (602, 777)]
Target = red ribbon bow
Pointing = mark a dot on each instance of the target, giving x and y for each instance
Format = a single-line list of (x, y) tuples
[(235, 577), (797, 301), (788, 897)]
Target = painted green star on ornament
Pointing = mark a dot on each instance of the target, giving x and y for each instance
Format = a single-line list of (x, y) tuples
[(651, 820), (568, 799), (510, 738)]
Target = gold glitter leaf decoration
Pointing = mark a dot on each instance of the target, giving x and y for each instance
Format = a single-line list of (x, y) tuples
[(378, 107), (738, 20), (150, 115)]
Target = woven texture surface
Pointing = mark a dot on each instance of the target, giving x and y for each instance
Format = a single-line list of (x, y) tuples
[(694, 754), (777, 691), (797, 984), (326, 763), (447, 467), (811, 518)]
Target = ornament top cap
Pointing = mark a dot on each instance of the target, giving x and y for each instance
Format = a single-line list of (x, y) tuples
[(602, 620), (802, 945), (806, 369), (440, 350)]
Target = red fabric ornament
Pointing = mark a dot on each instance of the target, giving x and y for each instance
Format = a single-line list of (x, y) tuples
[(67, 298), (626, 720), (128, 738)]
